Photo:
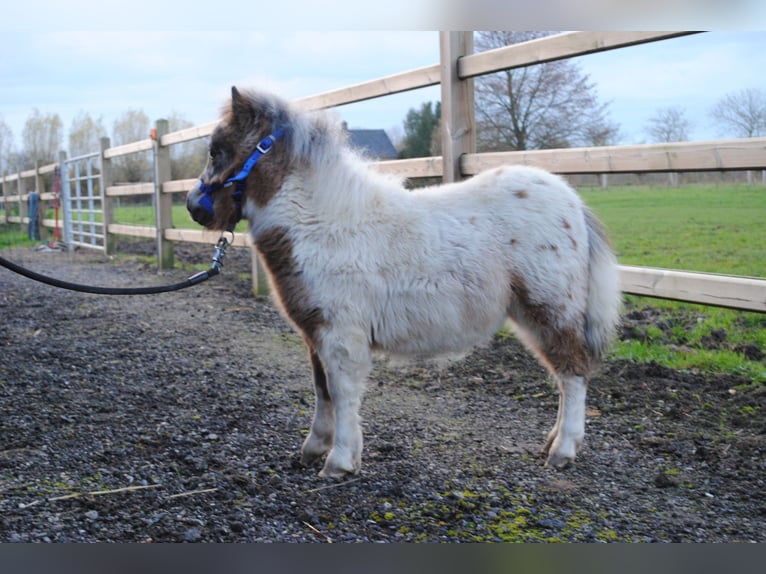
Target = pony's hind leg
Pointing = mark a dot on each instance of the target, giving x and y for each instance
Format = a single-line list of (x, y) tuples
[(563, 351), (566, 436), (320, 438)]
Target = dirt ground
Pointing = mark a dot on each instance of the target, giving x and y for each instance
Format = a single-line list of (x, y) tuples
[(178, 418)]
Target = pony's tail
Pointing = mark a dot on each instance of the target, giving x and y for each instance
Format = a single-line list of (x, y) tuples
[(604, 298)]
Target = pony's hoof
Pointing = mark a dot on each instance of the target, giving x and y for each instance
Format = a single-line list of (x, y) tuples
[(336, 467), (561, 451), (558, 461), (310, 458), (337, 473), (314, 449)]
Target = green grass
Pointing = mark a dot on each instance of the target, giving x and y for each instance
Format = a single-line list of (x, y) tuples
[(144, 215), (713, 229), (684, 341), (696, 228), (12, 235)]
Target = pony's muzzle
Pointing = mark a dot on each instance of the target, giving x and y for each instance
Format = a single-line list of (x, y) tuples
[(200, 207)]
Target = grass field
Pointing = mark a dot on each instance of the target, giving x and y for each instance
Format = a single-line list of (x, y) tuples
[(714, 229), (718, 229), (144, 215)]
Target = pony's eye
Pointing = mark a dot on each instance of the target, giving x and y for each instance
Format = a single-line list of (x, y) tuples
[(213, 150)]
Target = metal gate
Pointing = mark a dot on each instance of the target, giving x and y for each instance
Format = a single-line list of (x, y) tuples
[(82, 200)]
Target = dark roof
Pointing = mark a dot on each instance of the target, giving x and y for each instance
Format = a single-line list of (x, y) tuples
[(374, 144)]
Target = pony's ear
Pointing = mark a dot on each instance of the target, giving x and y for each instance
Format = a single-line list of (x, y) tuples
[(240, 105)]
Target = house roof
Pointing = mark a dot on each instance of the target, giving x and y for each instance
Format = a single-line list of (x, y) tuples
[(375, 144)]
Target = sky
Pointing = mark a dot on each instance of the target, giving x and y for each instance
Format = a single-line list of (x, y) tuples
[(154, 60)]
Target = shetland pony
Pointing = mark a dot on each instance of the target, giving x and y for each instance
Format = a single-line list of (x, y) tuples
[(359, 265)]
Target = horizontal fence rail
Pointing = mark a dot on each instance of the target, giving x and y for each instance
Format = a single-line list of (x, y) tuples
[(721, 155), (127, 149), (745, 293), (551, 48)]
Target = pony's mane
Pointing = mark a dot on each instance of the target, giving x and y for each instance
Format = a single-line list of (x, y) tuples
[(314, 135)]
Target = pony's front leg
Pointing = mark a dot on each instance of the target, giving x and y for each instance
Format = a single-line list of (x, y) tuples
[(348, 365), (567, 435), (320, 438)]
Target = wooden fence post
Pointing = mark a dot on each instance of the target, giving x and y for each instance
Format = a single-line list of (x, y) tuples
[(61, 214), (3, 194), (40, 189), (457, 111), (107, 203), (163, 202), (22, 191), (260, 285)]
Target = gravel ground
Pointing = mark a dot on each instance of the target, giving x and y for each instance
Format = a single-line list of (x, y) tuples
[(178, 418)]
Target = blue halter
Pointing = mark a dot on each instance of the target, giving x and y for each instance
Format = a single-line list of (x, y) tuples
[(206, 200)]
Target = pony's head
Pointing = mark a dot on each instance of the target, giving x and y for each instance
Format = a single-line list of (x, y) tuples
[(247, 160)]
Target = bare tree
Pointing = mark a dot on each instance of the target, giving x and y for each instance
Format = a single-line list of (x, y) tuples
[(187, 160), (41, 137), (669, 125), (741, 114), (85, 134), (6, 147), (132, 126), (548, 105)]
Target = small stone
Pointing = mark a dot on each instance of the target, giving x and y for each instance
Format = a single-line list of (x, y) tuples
[(192, 535), (551, 523), (662, 480), (236, 527), (91, 515)]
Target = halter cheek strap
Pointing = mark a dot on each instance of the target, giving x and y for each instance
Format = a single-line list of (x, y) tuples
[(207, 189)]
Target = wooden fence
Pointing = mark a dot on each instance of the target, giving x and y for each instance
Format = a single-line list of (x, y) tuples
[(457, 67)]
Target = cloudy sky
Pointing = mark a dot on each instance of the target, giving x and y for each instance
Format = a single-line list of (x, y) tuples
[(161, 63)]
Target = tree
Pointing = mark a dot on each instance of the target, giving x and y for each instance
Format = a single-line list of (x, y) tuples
[(187, 160), (741, 114), (549, 105), (132, 126), (669, 125), (85, 134), (41, 137), (419, 128), (6, 147)]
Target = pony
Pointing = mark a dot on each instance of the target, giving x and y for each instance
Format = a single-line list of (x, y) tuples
[(361, 266)]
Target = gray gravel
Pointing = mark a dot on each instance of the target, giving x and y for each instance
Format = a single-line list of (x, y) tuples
[(178, 418)]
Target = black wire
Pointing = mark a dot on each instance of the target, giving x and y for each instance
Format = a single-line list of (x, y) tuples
[(193, 280)]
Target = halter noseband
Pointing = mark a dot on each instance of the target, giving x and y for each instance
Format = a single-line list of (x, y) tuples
[(206, 189)]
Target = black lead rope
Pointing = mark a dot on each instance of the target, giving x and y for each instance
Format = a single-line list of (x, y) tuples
[(215, 269)]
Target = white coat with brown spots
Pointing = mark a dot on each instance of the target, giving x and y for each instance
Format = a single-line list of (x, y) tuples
[(361, 265)]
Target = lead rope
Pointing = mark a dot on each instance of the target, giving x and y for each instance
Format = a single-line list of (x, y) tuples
[(215, 269)]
